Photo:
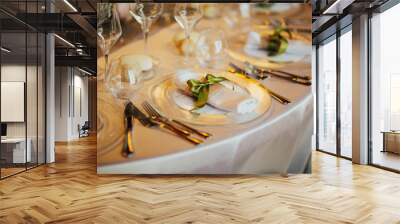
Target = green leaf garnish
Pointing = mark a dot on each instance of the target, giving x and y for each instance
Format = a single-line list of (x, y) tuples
[(202, 97), (277, 42), (200, 88), (213, 79), (264, 5)]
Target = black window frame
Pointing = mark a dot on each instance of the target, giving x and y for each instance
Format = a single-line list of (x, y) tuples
[(334, 37)]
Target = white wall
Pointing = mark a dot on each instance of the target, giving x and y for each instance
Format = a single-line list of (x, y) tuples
[(70, 83), (61, 103), (79, 117), (13, 101), (33, 127), (12, 73)]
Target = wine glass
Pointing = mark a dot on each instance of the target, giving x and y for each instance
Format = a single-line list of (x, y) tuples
[(145, 14), (108, 28), (187, 15), (122, 80), (210, 49)]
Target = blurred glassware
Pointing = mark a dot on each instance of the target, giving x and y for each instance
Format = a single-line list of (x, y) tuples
[(108, 28), (187, 15), (145, 14), (236, 17), (210, 49), (245, 10), (231, 18), (211, 10), (275, 8), (123, 11), (124, 79)]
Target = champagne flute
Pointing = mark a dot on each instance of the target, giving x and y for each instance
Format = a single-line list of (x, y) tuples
[(108, 28), (145, 14), (187, 15)]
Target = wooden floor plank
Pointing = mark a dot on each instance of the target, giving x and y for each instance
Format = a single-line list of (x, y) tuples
[(70, 191)]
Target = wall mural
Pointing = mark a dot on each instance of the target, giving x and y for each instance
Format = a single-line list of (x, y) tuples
[(204, 88)]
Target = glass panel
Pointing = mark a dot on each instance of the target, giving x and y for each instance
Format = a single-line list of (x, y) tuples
[(346, 94), (32, 88), (385, 86), (327, 97), (394, 102), (22, 88), (13, 87), (31, 99), (41, 98), (314, 89)]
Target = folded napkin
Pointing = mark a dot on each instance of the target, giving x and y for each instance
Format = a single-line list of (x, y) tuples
[(296, 50), (133, 67), (284, 7), (225, 95), (140, 62)]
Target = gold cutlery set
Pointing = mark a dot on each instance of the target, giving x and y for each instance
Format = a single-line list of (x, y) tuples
[(155, 120), (255, 72)]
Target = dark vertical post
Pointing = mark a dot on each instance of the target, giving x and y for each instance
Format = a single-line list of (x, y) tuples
[(338, 73), (1, 164), (72, 93), (45, 94), (69, 92), (26, 86), (317, 95), (37, 90), (369, 90)]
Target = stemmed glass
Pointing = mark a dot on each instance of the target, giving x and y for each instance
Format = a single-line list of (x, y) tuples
[(145, 14), (108, 28), (123, 80), (187, 15), (210, 49)]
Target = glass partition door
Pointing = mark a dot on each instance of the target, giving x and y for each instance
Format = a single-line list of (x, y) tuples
[(334, 94), (32, 98), (327, 97), (385, 89), (22, 77), (346, 94), (14, 153)]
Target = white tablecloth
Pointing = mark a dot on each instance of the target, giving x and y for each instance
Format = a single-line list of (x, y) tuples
[(277, 142)]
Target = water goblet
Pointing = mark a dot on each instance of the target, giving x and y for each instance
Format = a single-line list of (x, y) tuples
[(145, 14), (187, 15), (108, 28)]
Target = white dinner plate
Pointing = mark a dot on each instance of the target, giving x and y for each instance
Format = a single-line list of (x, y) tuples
[(243, 48), (171, 102)]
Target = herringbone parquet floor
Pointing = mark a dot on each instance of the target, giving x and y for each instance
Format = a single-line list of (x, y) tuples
[(69, 191)]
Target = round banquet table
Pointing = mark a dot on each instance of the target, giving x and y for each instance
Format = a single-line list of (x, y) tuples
[(279, 141)]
